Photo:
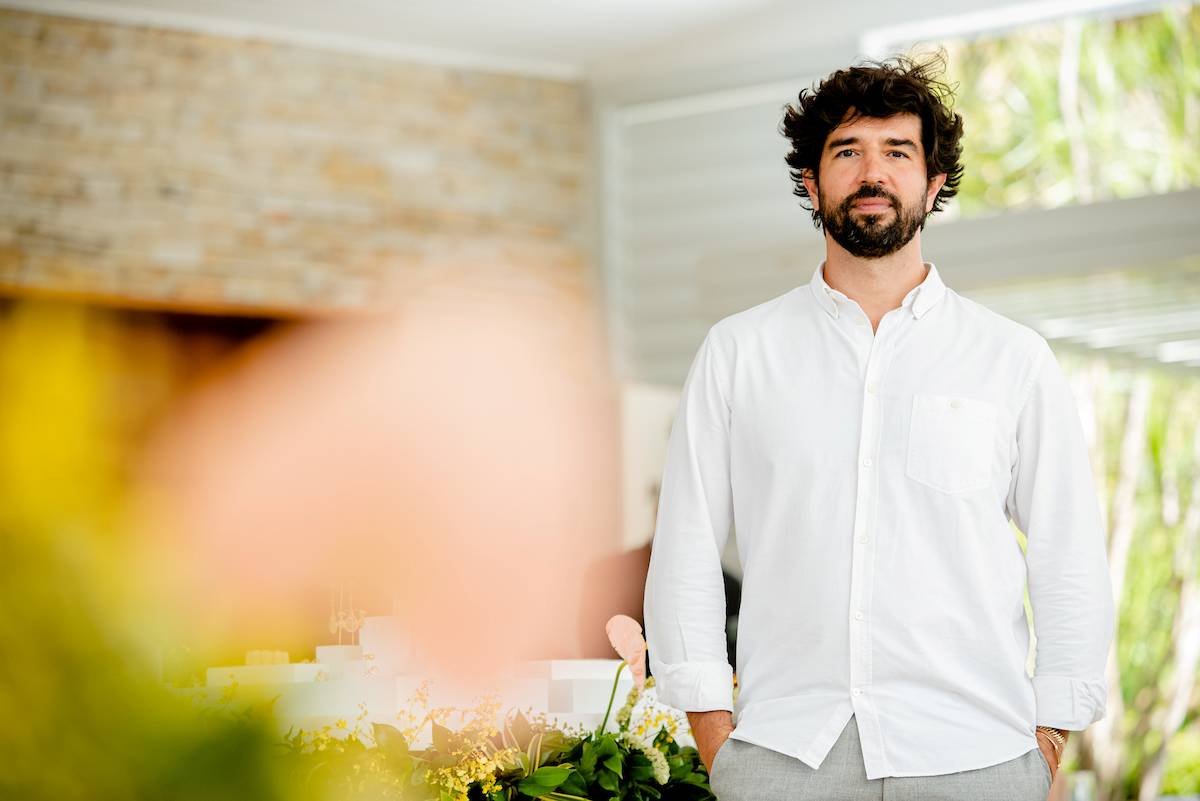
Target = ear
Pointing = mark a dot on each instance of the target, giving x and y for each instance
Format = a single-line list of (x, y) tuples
[(810, 184), (935, 185)]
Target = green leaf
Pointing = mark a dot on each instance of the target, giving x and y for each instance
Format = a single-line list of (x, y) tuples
[(535, 751), (555, 738), (441, 738), (552, 774), (521, 731), (389, 740), (587, 763), (606, 745), (608, 781), (544, 780), (574, 784), (614, 763)]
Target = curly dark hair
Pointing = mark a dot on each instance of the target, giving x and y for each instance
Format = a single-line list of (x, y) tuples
[(877, 89)]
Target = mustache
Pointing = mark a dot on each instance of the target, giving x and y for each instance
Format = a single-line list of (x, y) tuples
[(872, 190)]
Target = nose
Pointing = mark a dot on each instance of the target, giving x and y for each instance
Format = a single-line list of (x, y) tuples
[(873, 171)]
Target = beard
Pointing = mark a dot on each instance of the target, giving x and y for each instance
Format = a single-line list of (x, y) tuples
[(866, 235)]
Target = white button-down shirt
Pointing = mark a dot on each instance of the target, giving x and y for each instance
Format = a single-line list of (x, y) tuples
[(871, 477)]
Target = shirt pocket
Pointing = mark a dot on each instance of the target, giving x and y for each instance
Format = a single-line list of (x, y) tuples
[(950, 442)]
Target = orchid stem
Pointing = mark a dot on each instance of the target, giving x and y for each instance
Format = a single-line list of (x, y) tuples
[(611, 696)]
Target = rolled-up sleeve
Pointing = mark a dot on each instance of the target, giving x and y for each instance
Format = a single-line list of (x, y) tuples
[(685, 597), (1053, 499)]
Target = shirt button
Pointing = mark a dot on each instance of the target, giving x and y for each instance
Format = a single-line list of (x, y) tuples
[(862, 540), (867, 462), (858, 691), (872, 388), (954, 404), (858, 615)]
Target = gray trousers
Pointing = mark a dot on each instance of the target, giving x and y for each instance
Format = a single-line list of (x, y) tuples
[(743, 771)]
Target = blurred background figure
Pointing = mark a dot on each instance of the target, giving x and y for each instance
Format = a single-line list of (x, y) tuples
[(295, 297)]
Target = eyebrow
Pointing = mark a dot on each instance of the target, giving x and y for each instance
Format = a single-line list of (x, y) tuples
[(853, 140)]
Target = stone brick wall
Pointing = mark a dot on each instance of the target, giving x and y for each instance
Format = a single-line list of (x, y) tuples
[(175, 169)]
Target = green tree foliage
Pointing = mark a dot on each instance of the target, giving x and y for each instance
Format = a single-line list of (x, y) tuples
[(1154, 644), (1078, 110)]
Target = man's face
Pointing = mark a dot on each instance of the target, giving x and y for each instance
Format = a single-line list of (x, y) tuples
[(872, 195)]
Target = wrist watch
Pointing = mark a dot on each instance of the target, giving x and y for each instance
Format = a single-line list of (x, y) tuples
[(1057, 738)]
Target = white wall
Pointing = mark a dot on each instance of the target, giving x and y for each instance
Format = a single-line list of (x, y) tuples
[(646, 414)]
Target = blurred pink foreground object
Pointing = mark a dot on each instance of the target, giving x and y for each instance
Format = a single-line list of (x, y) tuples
[(457, 459)]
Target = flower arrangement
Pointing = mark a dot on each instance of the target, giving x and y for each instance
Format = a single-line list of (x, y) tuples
[(528, 758)]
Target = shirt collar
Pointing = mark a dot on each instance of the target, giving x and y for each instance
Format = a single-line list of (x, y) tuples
[(923, 297)]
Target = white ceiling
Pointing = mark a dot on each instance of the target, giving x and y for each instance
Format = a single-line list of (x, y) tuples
[(560, 38), (712, 43)]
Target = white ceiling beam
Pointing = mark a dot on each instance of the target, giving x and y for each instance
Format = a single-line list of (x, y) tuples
[(1071, 241)]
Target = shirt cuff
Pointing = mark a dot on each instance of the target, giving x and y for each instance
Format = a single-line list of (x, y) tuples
[(1067, 703), (694, 686)]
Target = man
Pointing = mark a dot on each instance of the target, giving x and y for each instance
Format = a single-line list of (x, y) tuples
[(870, 435)]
